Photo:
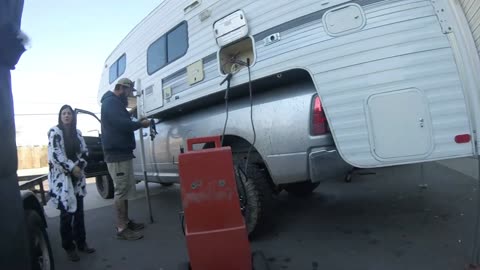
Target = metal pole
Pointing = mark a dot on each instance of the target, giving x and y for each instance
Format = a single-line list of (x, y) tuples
[(145, 178), (422, 172), (142, 148)]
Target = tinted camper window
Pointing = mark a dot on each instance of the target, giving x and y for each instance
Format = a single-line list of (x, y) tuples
[(118, 68), (177, 42), (113, 72), (167, 48), (157, 55), (122, 65)]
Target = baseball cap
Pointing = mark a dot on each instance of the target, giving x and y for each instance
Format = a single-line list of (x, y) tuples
[(127, 83)]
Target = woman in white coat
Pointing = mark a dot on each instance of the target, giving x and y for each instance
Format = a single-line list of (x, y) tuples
[(66, 179)]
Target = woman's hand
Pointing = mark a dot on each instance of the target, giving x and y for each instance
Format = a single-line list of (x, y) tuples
[(77, 172)]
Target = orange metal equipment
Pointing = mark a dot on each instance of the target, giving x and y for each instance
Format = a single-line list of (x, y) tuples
[(215, 231)]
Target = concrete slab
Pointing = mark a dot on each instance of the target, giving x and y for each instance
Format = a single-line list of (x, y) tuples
[(94, 201), (395, 219), (162, 247), (467, 166)]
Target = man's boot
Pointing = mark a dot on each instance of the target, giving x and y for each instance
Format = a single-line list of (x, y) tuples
[(122, 222), (73, 255), (132, 225)]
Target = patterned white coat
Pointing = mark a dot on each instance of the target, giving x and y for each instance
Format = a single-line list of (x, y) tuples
[(60, 168)]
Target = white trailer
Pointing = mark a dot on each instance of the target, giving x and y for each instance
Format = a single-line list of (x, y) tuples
[(397, 80)]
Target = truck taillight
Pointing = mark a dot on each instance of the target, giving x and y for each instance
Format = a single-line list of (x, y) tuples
[(319, 125)]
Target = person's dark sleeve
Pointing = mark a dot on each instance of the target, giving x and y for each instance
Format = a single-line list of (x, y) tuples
[(117, 117)]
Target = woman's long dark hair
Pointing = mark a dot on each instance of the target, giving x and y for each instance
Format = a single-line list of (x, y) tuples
[(69, 135)]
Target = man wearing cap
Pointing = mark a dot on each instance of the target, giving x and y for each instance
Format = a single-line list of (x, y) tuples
[(118, 142)]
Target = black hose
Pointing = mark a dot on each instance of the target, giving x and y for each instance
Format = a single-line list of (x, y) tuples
[(227, 79), (251, 116)]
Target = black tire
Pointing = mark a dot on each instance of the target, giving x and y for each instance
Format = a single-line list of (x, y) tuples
[(40, 250), (105, 186), (166, 184), (301, 189), (256, 195)]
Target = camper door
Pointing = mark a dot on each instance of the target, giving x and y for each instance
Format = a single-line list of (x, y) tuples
[(152, 98)]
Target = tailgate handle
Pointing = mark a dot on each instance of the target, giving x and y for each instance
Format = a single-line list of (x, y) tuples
[(193, 141)]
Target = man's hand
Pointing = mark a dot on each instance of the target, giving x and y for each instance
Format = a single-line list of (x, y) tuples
[(145, 123), (77, 172)]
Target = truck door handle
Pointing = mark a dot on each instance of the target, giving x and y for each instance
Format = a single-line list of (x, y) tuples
[(145, 134)]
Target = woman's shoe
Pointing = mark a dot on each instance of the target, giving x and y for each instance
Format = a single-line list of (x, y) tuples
[(86, 249), (73, 255)]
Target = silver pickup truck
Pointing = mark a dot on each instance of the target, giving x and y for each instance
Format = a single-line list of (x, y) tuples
[(291, 149), (396, 79)]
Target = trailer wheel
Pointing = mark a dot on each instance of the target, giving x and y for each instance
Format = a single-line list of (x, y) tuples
[(40, 250), (255, 195), (302, 188), (105, 186)]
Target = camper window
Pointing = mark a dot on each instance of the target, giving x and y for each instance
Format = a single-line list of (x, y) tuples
[(177, 42), (167, 48), (157, 55), (118, 68), (113, 72), (122, 65)]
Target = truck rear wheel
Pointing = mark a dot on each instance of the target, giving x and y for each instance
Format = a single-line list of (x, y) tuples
[(105, 186), (302, 188), (40, 250), (255, 194)]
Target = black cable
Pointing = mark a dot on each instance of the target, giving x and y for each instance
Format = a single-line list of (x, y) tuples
[(227, 79), (250, 89), (251, 116)]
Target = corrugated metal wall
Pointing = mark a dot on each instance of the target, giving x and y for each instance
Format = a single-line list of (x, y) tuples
[(472, 10)]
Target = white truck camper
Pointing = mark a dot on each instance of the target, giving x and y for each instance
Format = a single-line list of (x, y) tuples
[(315, 87)]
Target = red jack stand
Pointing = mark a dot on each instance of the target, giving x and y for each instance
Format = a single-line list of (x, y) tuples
[(215, 231)]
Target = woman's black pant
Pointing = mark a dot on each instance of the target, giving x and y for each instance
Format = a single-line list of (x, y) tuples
[(72, 226)]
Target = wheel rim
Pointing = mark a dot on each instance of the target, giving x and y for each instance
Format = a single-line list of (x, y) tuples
[(41, 252)]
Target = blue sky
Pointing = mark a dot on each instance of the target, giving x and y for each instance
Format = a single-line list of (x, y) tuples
[(70, 41)]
